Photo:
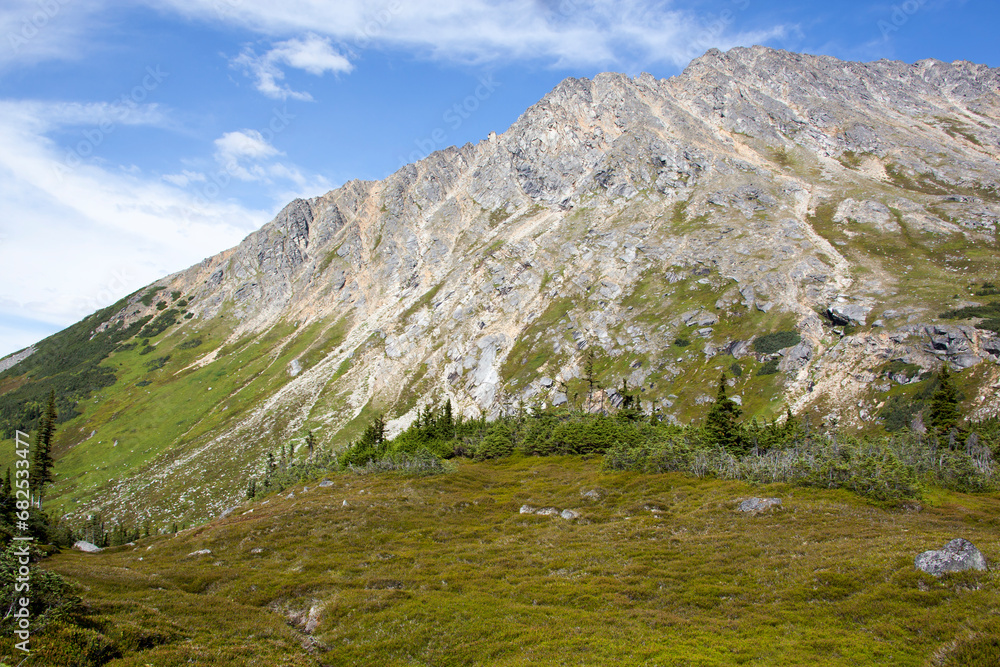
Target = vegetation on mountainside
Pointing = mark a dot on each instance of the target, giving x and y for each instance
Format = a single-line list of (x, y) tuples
[(989, 314), (68, 364), (884, 467)]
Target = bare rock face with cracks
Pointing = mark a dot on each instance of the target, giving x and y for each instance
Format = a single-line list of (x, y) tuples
[(660, 226)]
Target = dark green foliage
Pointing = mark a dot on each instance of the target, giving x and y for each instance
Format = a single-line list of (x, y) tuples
[(188, 316), (163, 321), (182, 303), (944, 415), (498, 443), (770, 368), (772, 342), (898, 413), (175, 295), (67, 363), (41, 461), (736, 369), (722, 426), (161, 305), (988, 289), (682, 342), (369, 447), (157, 363), (898, 366), (51, 597), (190, 344), (147, 298), (147, 349), (990, 314)]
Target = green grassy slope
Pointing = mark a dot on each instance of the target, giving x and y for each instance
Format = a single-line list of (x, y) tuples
[(660, 570)]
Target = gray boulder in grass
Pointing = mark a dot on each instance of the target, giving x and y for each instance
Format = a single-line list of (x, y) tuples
[(958, 555), (758, 505)]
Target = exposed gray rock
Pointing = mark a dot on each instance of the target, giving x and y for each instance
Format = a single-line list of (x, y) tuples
[(86, 547), (873, 213), (958, 555), (200, 552), (13, 359), (758, 505), (325, 483), (569, 515), (739, 348), (849, 313), (796, 357)]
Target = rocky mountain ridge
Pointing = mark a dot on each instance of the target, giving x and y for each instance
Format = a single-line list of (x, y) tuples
[(659, 225)]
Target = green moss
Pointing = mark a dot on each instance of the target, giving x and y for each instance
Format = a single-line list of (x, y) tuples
[(498, 216), (422, 302)]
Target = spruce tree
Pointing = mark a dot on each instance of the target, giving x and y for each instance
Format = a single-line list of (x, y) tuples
[(41, 463), (721, 424), (944, 414)]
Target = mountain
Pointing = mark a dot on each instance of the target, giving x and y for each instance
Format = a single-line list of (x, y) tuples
[(800, 222)]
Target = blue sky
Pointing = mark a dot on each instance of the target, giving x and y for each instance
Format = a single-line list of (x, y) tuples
[(139, 137)]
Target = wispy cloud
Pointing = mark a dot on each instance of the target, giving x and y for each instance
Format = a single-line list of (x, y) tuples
[(33, 31), (312, 54), (613, 33), (76, 239)]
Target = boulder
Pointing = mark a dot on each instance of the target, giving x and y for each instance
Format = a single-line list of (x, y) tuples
[(848, 313), (758, 505), (325, 483), (569, 515), (958, 555), (796, 357), (86, 547), (200, 552)]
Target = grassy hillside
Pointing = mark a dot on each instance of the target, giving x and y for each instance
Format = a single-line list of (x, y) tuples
[(657, 570)]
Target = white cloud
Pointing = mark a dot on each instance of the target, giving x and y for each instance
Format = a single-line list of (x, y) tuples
[(243, 144), (185, 178), (74, 239), (247, 156), (314, 54), (626, 34)]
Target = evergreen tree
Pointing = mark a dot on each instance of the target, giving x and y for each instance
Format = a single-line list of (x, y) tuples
[(944, 414), (41, 464), (310, 442), (449, 421), (498, 442), (721, 424)]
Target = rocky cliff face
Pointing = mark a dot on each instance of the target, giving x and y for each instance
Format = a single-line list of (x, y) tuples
[(621, 218)]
